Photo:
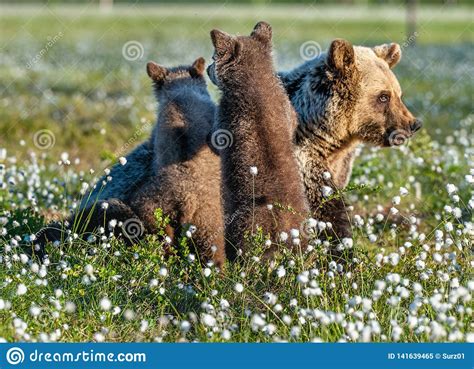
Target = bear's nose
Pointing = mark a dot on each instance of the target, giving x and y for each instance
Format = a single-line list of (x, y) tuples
[(416, 125)]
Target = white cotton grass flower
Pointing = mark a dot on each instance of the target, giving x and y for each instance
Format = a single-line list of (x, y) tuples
[(451, 188), (257, 322), (226, 335), (295, 233), (283, 236), (208, 320), (270, 298), (281, 272), (396, 200), (239, 288), (303, 278), (21, 289), (253, 171), (326, 175), (105, 304), (348, 243), (153, 283), (163, 272), (185, 326), (70, 307), (35, 311), (420, 265), (129, 314), (89, 269), (144, 324), (99, 337), (327, 191), (3, 154)]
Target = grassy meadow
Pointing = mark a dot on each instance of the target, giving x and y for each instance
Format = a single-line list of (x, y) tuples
[(74, 96)]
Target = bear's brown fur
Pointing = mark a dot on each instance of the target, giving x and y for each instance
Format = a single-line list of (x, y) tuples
[(344, 97), (185, 179), (256, 111)]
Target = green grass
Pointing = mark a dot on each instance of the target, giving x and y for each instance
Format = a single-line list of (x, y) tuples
[(94, 101)]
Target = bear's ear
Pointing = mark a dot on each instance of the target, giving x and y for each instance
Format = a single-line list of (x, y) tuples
[(341, 56), (262, 32), (391, 53), (223, 42), (156, 72), (197, 68)]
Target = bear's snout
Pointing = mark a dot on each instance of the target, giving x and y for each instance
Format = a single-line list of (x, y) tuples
[(416, 125)]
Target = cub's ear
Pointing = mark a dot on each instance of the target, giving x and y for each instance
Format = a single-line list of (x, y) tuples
[(223, 42), (156, 72), (197, 68), (262, 32), (341, 56), (391, 53)]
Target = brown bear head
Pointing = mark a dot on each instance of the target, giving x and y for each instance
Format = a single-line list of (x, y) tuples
[(365, 87)]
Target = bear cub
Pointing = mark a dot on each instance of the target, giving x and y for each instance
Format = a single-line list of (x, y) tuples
[(185, 174), (259, 169)]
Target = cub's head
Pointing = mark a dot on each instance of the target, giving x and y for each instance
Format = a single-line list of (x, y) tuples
[(237, 56), (378, 114), (166, 79)]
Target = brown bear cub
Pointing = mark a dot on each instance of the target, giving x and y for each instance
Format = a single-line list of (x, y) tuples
[(259, 168), (185, 179), (174, 170)]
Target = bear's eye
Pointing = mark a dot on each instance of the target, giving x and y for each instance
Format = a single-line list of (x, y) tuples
[(384, 98)]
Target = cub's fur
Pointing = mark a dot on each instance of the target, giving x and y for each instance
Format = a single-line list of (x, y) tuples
[(185, 175), (256, 111), (173, 170), (344, 97)]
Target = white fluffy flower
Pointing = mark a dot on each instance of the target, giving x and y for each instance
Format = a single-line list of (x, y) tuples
[(327, 191), (281, 272), (326, 175), (451, 188), (283, 236), (208, 320), (21, 289), (105, 304)]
